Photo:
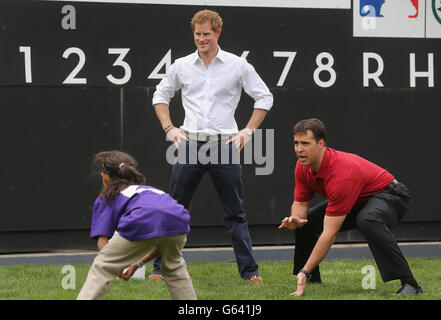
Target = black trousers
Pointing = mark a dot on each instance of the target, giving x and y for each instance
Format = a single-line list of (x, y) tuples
[(374, 220)]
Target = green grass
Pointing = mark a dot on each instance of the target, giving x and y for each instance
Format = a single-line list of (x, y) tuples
[(342, 280)]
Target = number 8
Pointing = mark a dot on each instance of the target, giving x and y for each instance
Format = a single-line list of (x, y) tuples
[(325, 67)]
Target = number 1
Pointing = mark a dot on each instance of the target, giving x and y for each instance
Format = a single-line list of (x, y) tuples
[(28, 66)]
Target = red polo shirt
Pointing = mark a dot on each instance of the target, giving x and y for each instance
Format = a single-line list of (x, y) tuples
[(344, 179)]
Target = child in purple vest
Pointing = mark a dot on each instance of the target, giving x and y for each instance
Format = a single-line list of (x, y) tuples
[(148, 223)]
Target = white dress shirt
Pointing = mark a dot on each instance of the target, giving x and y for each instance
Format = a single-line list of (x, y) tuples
[(210, 95)]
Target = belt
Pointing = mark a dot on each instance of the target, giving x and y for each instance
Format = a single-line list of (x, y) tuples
[(206, 137)]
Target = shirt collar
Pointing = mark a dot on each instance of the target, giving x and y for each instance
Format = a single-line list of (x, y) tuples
[(220, 55), (323, 171)]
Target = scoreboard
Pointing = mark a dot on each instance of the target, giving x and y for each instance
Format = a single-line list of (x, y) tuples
[(78, 77)]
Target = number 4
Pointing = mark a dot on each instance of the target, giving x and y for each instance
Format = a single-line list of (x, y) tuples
[(165, 61)]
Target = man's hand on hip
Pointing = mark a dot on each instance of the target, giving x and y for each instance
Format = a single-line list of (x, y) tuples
[(175, 135), (240, 139)]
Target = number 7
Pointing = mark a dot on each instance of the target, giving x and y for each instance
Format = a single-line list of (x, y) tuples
[(285, 54)]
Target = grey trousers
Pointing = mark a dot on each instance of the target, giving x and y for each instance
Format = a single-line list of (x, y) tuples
[(119, 253)]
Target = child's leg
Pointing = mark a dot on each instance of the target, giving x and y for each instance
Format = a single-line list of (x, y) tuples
[(174, 268), (108, 264)]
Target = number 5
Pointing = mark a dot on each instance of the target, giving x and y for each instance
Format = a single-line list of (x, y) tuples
[(120, 63)]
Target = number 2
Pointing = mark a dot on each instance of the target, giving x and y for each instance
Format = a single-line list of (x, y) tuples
[(82, 60)]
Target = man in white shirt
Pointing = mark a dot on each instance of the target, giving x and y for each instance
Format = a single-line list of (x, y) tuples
[(211, 82)]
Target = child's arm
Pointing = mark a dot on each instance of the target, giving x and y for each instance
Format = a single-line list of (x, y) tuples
[(126, 274), (152, 254), (102, 241)]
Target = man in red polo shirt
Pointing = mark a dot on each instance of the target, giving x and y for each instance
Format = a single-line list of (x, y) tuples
[(360, 195)]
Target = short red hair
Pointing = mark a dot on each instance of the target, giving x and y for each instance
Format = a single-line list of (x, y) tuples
[(207, 15)]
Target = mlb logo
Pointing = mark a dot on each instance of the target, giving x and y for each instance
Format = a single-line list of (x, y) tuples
[(374, 7), (433, 19), (389, 18)]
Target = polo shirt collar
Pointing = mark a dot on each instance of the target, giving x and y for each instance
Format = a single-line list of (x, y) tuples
[(322, 173)]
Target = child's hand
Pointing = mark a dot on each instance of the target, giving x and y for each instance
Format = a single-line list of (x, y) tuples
[(127, 273)]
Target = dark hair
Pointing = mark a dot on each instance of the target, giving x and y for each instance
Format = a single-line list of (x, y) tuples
[(122, 170), (315, 125)]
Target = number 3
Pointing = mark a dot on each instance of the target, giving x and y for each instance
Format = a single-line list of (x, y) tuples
[(120, 63)]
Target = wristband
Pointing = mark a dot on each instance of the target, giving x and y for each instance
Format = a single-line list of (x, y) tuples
[(308, 275), (168, 128), (140, 264), (248, 131)]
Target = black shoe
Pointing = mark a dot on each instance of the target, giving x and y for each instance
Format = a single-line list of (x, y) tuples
[(407, 289), (312, 280)]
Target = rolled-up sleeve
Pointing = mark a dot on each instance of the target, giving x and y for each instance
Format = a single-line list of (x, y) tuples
[(166, 89), (254, 86)]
